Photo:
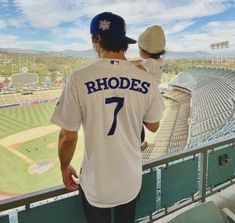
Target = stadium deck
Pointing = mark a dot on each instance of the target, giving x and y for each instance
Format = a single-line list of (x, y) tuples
[(201, 106), (206, 110)]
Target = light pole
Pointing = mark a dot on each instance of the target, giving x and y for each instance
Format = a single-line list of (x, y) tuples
[(220, 47)]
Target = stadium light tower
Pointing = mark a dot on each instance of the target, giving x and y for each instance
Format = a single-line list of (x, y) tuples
[(212, 54), (226, 46), (219, 47)]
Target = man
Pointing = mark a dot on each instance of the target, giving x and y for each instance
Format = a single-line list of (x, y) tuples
[(111, 98)]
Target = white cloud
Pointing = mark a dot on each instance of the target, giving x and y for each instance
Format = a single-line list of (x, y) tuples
[(46, 13), (16, 22), (2, 24), (79, 31), (195, 9), (213, 32), (160, 12), (79, 34), (221, 31), (178, 27), (51, 13), (9, 41), (174, 16)]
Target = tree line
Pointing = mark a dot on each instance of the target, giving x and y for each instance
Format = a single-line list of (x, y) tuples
[(53, 66)]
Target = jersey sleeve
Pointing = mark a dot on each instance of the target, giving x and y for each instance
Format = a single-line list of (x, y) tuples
[(156, 106), (68, 114)]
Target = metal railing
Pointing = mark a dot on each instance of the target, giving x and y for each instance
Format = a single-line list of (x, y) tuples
[(202, 151)]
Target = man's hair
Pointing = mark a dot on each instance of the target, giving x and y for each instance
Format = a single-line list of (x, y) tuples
[(110, 43), (154, 55)]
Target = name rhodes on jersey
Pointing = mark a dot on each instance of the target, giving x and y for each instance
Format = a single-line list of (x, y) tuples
[(117, 83)]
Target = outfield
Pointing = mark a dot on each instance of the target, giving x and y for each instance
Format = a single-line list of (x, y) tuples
[(26, 137), (20, 118)]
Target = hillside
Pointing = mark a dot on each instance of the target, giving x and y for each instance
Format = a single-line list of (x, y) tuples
[(57, 64)]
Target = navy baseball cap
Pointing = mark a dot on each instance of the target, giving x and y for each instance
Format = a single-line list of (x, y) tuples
[(111, 24)]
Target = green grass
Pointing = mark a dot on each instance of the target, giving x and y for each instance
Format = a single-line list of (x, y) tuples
[(20, 118), (37, 149), (14, 171)]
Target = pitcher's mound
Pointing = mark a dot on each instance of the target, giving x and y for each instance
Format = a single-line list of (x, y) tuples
[(41, 166)]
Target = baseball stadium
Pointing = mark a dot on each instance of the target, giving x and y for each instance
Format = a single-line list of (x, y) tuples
[(190, 160), (183, 171)]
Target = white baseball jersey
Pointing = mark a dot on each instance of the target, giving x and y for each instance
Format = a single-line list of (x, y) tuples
[(111, 99), (154, 67)]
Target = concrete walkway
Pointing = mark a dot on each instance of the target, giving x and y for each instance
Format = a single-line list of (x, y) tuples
[(225, 198)]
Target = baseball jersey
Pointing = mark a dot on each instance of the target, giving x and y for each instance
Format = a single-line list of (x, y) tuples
[(154, 67), (111, 99)]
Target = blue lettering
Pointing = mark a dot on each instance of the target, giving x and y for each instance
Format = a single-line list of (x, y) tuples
[(134, 85), (117, 83), (112, 84), (145, 87), (91, 87), (125, 83), (102, 82)]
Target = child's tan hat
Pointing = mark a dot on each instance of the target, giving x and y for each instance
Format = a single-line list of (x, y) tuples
[(152, 39)]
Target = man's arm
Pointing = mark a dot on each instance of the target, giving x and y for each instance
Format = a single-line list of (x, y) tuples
[(67, 146), (153, 127), (136, 62)]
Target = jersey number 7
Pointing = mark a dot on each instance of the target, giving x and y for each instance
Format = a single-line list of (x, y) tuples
[(120, 103)]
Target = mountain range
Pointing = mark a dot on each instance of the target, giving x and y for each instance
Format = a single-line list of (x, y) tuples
[(131, 53)]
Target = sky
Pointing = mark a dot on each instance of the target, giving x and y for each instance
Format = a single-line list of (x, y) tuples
[(56, 25)]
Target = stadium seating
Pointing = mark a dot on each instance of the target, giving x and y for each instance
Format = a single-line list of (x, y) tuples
[(204, 110), (179, 136), (36, 97), (160, 143), (24, 79), (212, 102), (173, 132)]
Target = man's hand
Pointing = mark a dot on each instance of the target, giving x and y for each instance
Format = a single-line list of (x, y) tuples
[(67, 145), (67, 174)]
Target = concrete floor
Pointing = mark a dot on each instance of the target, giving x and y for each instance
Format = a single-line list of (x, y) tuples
[(225, 198)]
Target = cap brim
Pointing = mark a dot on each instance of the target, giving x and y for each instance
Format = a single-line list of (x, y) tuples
[(130, 41)]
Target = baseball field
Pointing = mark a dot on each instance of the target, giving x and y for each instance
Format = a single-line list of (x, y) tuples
[(28, 150)]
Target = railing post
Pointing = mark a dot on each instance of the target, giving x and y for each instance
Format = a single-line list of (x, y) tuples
[(203, 175)]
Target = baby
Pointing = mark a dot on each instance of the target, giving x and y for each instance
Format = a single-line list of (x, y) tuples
[(151, 49)]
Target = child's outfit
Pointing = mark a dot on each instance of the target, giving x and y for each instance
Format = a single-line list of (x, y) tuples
[(154, 67), (153, 41)]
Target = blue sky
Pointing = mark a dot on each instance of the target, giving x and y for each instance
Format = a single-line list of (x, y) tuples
[(64, 24)]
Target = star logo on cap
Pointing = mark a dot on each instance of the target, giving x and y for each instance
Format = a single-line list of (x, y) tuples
[(104, 25)]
